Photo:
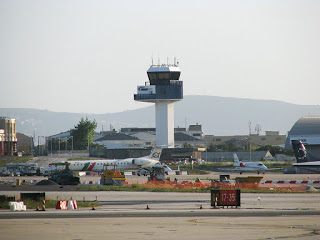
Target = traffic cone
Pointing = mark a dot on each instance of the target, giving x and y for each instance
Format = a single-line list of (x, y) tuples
[(201, 206), (93, 207), (37, 208), (147, 207)]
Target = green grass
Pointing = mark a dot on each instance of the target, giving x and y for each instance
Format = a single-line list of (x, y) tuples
[(214, 166), (82, 158), (140, 188), (32, 204), (4, 160), (137, 188), (271, 164)]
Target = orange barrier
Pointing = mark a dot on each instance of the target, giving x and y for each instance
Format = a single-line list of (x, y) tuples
[(75, 204), (222, 185), (62, 205)]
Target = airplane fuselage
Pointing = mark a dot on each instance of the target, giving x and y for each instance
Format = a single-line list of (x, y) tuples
[(250, 166), (125, 164), (97, 165)]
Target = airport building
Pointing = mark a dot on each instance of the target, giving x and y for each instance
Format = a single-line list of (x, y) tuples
[(146, 137), (254, 156), (25, 144), (272, 138), (163, 89), (307, 130), (8, 137), (192, 135), (119, 140), (2, 140)]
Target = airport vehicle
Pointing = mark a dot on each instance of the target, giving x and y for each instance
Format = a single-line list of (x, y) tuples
[(305, 160), (147, 171), (64, 176), (123, 164), (22, 169), (111, 176), (158, 173)]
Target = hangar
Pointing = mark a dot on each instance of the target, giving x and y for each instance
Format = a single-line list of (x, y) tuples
[(307, 130)]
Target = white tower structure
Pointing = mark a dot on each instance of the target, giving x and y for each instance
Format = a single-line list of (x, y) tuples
[(163, 89)]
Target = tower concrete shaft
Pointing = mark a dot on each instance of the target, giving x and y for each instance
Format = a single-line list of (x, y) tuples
[(164, 124)]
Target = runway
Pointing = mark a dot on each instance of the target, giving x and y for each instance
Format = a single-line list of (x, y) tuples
[(123, 215)]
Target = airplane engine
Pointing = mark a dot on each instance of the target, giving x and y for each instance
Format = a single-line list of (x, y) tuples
[(139, 161)]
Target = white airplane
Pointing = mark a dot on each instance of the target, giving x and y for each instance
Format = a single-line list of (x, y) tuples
[(122, 164), (248, 166)]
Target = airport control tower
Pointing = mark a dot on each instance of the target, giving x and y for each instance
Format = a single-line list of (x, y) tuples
[(163, 89)]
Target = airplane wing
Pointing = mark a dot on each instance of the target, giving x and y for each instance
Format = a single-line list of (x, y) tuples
[(310, 166), (271, 169), (228, 169), (307, 164)]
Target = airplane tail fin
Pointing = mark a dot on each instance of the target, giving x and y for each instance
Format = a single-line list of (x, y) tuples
[(235, 157), (155, 153), (300, 151)]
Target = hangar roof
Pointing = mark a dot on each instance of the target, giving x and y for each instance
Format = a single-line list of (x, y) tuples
[(306, 125)]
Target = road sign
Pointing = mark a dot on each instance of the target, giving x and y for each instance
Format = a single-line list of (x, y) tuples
[(225, 197)]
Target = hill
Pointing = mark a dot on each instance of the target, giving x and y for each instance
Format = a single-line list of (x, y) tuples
[(218, 116)]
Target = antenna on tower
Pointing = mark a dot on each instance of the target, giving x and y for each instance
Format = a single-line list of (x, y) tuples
[(258, 129)]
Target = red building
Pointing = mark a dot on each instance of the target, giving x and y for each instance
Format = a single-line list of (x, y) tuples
[(2, 142)]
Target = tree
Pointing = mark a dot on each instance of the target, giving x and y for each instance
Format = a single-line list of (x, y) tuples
[(83, 134), (225, 147), (187, 145)]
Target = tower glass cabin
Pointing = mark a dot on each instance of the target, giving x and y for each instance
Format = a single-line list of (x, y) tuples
[(163, 89)]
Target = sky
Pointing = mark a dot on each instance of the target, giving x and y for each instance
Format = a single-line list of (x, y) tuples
[(89, 56)]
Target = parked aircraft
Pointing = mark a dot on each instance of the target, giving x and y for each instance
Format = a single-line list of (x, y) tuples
[(122, 164), (305, 160), (248, 166)]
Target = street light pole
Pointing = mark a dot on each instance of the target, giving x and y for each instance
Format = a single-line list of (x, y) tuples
[(71, 144), (250, 149)]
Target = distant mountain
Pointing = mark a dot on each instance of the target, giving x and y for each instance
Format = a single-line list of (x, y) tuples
[(218, 116)]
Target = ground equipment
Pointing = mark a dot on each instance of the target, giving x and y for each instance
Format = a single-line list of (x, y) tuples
[(158, 173), (64, 176), (110, 175)]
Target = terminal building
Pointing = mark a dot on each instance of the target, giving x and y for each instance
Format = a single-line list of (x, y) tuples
[(307, 130), (272, 138)]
